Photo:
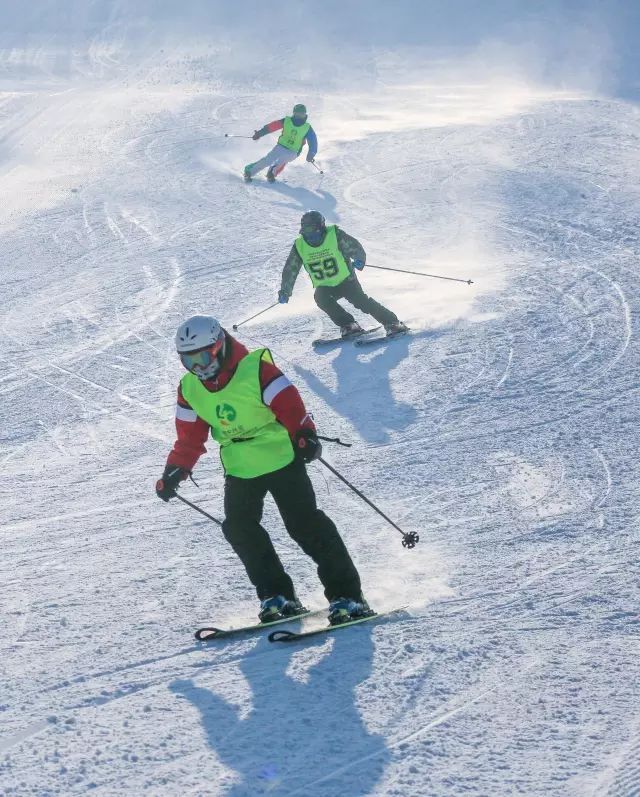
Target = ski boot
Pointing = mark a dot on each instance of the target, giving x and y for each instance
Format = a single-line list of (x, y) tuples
[(396, 328), (343, 610), (246, 174), (279, 607), (351, 330), (270, 175)]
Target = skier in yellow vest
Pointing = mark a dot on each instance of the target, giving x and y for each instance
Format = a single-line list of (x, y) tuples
[(296, 131), (266, 436), (330, 256)]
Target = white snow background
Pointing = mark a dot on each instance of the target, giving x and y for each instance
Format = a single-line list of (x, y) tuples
[(492, 141)]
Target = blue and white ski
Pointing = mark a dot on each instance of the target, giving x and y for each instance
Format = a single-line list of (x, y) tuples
[(339, 339), (369, 341)]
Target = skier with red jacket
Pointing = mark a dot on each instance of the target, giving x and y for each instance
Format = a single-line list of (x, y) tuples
[(266, 437), (296, 131)]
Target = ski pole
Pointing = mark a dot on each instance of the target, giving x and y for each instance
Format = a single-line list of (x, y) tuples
[(420, 274), (334, 440), (235, 326), (409, 539), (313, 163), (233, 135), (197, 508)]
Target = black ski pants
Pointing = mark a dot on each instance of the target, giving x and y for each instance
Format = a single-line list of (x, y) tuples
[(351, 290), (314, 532)]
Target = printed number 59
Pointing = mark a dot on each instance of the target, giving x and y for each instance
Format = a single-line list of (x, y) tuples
[(325, 269)]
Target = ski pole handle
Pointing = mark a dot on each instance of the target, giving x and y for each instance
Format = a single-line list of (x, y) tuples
[(313, 163), (235, 326)]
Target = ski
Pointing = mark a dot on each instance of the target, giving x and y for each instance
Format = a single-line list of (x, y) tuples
[(210, 633), (250, 179), (355, 336), (380, 338), (292, 636)]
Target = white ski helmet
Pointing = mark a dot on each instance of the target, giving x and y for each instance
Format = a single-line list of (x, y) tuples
[(200, 342)]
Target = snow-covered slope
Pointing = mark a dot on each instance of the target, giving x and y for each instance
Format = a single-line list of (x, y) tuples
[(491, 144)]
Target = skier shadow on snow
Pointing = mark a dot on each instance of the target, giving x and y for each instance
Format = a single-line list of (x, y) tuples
[(304, 199), (298, 730), (361, 381)]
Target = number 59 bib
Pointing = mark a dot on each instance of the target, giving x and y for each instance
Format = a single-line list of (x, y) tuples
[(325, 264)]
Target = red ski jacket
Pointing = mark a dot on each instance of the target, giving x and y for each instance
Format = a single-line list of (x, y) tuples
[(277, 393)]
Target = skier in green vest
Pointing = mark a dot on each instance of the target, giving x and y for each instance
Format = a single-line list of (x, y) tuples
[(266, 437), (295, 132), (330, 256)]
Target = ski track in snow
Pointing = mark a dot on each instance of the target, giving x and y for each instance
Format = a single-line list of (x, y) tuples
[(503, 430)]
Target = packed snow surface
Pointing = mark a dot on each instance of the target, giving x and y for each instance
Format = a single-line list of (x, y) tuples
[(491, 145)]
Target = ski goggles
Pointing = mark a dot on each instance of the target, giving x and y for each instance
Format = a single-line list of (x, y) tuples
[(313, 235), (311, 227), (201, 358), (307, 229)]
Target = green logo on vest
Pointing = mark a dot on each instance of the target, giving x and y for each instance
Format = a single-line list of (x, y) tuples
[(226, 413)]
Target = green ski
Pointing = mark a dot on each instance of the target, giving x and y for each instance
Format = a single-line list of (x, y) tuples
[(292, 636), (210, 633)]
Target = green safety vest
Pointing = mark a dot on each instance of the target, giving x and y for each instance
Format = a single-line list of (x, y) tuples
[(252, 442), (325, 264), (293, 137)]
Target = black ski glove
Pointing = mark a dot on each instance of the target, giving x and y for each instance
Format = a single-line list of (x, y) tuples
[(171, 478), (256, 135), (307, 445)]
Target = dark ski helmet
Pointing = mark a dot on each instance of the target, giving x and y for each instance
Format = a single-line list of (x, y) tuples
[(299, 112), (313, 227)]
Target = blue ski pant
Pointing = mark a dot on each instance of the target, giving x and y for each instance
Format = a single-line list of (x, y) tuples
[(278, 157)]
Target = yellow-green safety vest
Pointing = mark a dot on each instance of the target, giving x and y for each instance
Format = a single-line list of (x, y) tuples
[(292, 137), (325, 264), (252, 442)]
